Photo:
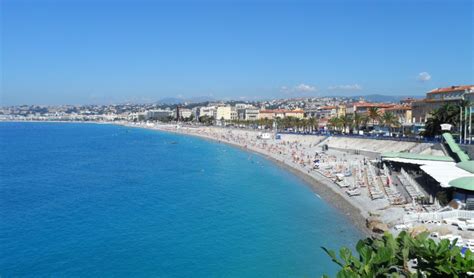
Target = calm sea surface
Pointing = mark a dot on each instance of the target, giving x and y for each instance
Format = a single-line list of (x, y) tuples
[(100, 200)]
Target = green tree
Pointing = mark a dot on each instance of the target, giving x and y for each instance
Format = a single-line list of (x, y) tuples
[(358, 119), (336, 123), (206, 120), (347, 121), (403, 256), (313, 124), (446, 114), (389, 120), (374, 114)]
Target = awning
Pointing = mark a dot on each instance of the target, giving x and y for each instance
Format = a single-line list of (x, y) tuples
[(463, 157), (466, 183), (467, 165), (415, 156), (442, 171)]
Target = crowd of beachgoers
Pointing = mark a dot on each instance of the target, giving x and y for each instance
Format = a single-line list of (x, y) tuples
[(346, 173)]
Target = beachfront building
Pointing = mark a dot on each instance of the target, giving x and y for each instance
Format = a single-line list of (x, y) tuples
[(226, 113), (185, 113), (402, 112), (341, 110), (246, 111), (322, 112), (438, 97), (248, 114), (281, 113), (157, 115), (363, 108), (469, 96), (135, 117), (407, 101), (209, 111), (266, 114), (182, 113)]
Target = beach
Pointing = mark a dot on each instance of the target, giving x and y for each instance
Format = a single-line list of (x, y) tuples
[(295, 153)]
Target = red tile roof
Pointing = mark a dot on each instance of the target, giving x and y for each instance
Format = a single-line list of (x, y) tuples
[(398, 107), (282, 111), (371, 104), (451, 89), (327, 107)]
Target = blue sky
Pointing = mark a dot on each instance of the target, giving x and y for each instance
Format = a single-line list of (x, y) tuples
[(75, 52)]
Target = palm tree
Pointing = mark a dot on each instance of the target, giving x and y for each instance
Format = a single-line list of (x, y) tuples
[(336, 123), (374, 115), (389, 120), (313, 123), (357, 121), (446, 114), (347, 122)]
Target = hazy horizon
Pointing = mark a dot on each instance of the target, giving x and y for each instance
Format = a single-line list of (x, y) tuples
[(103, 52), (201, 99)]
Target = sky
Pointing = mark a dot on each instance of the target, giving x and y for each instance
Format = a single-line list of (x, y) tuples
[(104, 51)]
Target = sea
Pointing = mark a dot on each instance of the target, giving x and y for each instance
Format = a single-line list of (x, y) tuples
[(100, 200)]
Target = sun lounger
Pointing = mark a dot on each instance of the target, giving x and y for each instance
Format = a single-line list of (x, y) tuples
[(466, 227)]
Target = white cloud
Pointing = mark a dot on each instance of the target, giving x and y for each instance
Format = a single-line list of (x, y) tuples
[(424, 76), (305, 88), (301, 88), (349, 87), (284, 89)]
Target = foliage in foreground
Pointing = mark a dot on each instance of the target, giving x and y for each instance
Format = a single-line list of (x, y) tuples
[(403, 256)]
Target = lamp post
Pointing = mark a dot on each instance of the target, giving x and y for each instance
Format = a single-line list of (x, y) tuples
[(470, 124), (460, 124), (445, 128)]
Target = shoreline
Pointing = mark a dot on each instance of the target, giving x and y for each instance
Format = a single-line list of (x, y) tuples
[(320, 187)]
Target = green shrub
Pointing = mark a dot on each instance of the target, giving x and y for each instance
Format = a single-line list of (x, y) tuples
[(403, 256)]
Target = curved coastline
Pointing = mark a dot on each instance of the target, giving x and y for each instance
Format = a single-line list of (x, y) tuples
[(321, 186)]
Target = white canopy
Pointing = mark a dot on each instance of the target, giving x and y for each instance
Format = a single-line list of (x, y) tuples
[(442, 171)]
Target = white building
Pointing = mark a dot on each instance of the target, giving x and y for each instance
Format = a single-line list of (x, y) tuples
[(226, 113), (210, 111), (159, 114), (185, 113), (252, 114)]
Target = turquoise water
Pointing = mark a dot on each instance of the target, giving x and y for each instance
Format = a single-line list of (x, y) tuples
[(100, 201)]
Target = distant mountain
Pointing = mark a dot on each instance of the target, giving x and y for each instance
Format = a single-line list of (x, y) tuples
[(384, 98), (178, 100), (170, 100)]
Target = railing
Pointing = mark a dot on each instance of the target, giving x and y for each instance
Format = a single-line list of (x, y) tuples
[(403, 139), (420, 147), (438, 216), (411, 180)]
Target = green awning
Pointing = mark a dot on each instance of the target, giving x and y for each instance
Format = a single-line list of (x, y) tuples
[(451, 143), (466, 165), (462, 156), (466, 183), (417, 156)]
